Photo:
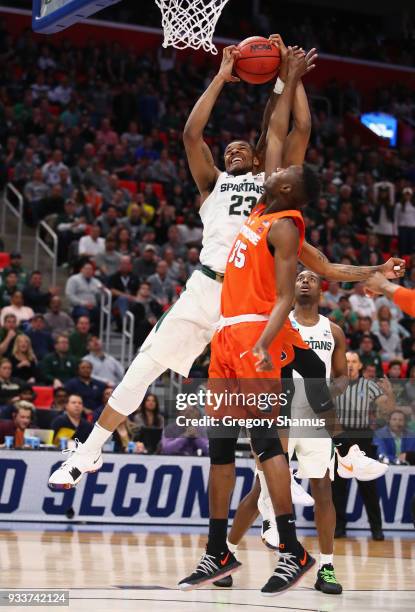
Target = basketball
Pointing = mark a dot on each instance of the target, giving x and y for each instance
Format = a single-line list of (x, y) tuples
[(259, 61)]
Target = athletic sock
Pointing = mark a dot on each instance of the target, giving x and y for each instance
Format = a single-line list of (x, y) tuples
[(325, 560), (287, 533), (218, 529), (96, 439), (343, 443), (232, 547)]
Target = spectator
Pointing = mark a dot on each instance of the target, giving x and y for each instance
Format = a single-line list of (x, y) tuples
[(60, 366), (190, 232), (83, 292), (397, 383), (88, 388), (410, 386), (408, 344), (22, 313), (108, 220), (185, 439), (79, 338), (105, 368), (364, 329), (370, 254), (394, 439), (148, 416), (384, 214), (390, 342), (8, 288), (33, 295), (9, 387), (60, 399), (363, 305), (123, 238), (23, 359), (384, 312), (192, 263), (369, 371), (17, 425), (17, 267), (344, 316), (163, 170), (92, 245), (71, 424), (161, 286), (35, 191), (405, 222), (147, 311), (104, 401), (69, 226), (58, 321), (145, 266), (124, 285), (367, 354), (109, 260), (123, 435), (51, 170), (8, 333)]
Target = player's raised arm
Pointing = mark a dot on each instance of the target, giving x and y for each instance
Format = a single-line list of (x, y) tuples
[(316, 261), (298, 65), (285, 238), (297, 140), (272, 100), (199, 156)]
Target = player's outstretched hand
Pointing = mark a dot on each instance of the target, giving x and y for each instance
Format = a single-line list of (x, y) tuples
[(264, 363), (230, 54), (394, 268), (376, 284), (300, 64)]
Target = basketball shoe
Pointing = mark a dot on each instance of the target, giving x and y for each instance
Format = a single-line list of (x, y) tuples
[(299, 495), (327, 582), (210, 568), (269, 532), (290, 568), (71, 471), (357, 465)]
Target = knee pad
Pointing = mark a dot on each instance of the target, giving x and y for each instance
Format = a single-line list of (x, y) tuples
[(222, 450), (266, 448)]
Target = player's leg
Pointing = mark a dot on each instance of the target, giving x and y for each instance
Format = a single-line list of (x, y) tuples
[(293, 560), (218, 561), (177, 340)]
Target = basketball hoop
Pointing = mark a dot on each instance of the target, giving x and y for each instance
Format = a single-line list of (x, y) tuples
[(190, 23)]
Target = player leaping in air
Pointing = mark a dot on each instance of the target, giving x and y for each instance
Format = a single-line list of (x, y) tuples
[(227, 198)]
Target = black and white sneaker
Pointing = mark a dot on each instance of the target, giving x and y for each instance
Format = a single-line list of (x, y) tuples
[(289, 570), (211, 568), (327, 582)]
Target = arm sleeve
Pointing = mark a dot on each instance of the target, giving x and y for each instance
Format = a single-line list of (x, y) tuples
[(405, 299)]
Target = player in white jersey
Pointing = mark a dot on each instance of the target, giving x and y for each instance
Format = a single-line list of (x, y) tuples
[(226, 200)]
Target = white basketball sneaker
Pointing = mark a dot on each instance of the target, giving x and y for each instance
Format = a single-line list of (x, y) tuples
[(70, 473), (269, 532), (298, 494), (357, 465)]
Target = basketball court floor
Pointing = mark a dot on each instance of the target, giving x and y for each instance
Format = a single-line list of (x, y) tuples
[(132, 569)]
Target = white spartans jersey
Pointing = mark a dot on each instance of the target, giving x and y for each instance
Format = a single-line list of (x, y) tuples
[(223, 213), (320, 339)]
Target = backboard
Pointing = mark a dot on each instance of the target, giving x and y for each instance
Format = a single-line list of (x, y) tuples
[(51, 16)]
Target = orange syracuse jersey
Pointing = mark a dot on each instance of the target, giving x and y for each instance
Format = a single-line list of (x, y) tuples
[(249, 285)]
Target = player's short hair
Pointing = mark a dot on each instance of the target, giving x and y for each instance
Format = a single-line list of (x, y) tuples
[(311, 185)]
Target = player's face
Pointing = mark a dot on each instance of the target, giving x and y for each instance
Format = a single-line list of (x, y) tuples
[(283, 181), (307, 287), (239, 158)]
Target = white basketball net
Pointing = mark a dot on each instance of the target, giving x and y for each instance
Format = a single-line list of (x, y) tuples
[(190, 23)]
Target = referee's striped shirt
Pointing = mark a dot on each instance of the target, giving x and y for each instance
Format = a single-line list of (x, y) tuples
[(353, 405)]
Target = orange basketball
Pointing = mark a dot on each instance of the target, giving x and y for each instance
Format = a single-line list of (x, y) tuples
[(259, 61)]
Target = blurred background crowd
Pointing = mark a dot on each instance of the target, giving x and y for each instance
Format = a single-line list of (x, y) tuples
[(92, 139)]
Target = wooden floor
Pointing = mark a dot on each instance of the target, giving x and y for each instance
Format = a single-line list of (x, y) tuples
[(137, 571)]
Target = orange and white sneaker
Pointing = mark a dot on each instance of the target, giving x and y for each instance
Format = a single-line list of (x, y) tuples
[(357, 465)]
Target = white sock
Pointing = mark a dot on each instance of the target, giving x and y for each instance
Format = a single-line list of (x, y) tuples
[(232, 547), (325, 560), (96, 439)]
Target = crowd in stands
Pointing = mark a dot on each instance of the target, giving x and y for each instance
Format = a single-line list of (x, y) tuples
[(92, 138)]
